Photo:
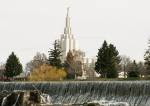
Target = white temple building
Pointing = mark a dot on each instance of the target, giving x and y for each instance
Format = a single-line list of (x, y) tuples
[(67, 40), (68, 43)]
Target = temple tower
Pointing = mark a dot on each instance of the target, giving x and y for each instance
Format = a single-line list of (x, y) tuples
[(67, 40)]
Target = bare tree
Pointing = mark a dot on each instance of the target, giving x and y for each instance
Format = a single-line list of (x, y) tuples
[(73, 65), (125, 64), (2, 69), (142, 69), (38, 60)]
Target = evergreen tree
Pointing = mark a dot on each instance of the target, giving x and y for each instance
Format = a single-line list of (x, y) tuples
[(134, 72), (107, 61), (101, 64), (13, 66), (54, 56), (147, 59), (114, 61)]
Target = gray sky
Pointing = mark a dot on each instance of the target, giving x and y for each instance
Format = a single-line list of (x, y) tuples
[(30, 26)]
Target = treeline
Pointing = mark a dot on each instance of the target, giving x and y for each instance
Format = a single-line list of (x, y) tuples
[(42, 68), (51, 68), (109, 64)]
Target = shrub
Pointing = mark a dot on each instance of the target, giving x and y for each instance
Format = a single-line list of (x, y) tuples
[(133, 74), (47, 73)]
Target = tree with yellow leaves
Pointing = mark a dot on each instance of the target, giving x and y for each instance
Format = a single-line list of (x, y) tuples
[(47, 73)]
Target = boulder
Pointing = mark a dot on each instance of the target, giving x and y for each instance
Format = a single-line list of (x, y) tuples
[(24, 98)]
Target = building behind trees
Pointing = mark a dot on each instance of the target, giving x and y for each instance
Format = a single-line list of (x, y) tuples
[(68, 43)]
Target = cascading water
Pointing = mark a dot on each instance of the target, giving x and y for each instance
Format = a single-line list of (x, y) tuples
[(109, 93)]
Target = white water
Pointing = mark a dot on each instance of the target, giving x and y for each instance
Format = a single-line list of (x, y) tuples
[(4, 101), (46, 99), (108, 93), (110, 103)]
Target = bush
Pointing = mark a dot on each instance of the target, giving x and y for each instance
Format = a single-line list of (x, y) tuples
[(47, 73), (133, 74)]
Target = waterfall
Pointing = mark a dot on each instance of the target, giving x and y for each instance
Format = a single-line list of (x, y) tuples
[(132, 93), (4, 101)]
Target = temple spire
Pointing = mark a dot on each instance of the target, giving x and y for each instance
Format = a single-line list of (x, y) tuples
[(67, 41), (67, 27), (68, 11)]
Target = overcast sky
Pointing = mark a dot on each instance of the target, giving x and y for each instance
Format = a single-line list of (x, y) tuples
[(30, 26)]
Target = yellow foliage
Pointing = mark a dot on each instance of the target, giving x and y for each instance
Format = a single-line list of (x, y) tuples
[(47, 73)]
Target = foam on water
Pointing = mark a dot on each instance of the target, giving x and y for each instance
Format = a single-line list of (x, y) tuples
[(110, 103)]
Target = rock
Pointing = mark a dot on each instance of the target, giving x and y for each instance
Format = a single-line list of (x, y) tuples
[(2, 95), (35, 97), (11, 99), (23, 98)]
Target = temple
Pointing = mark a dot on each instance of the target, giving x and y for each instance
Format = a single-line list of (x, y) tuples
[(67, 40), (68, 44)]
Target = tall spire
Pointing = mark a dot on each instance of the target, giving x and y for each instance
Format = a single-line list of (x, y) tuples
[(68, 18), (68, 11), (67, 27)]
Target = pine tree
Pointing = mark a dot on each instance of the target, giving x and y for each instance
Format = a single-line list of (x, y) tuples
[(13, 66), (114, 61), (147, 59), (107, 61), (54, 56), (101, 63)]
